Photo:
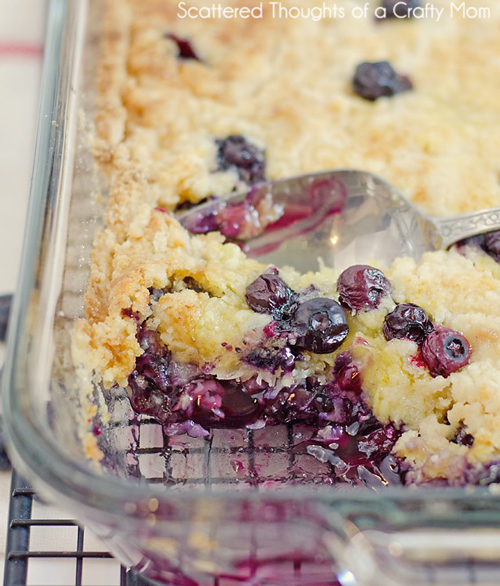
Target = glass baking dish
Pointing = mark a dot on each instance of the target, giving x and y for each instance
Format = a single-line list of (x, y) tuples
[(175, 511)]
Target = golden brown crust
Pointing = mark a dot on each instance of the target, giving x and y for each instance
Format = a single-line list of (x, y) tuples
[(111, 113), (286, 86)]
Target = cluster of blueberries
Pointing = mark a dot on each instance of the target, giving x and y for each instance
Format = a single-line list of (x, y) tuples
[(320, 324), (300, 323)]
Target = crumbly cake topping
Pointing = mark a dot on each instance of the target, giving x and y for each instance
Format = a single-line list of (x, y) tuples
[(190, 109), (438, 144)]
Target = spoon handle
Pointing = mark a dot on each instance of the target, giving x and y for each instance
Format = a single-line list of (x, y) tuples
[(457, 228)]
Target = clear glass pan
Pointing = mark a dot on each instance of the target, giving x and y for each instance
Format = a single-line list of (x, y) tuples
[(175, 512)]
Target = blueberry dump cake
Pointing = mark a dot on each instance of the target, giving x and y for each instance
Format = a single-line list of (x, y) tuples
[(395, 368)]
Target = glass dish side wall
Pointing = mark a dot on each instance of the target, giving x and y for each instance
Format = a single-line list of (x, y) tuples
[(175, 513)]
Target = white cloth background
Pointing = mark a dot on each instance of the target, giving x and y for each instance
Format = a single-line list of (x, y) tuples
[(22, 25), (21, 33)]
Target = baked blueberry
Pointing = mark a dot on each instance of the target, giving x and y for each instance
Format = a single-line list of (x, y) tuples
[(474, 241), (347, 373), (238, 406), (271, 359), (193, 284), (361, 288), (129, 312), (400, 8), (445, 351), (491, 244), (408, 321), (320, 325), (378, 79), (463, 438), (152, 392), (184, 47), (270, 294), (150, 401), (235, 152)]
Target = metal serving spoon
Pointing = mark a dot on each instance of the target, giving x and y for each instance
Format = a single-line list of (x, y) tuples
[(344, 217)]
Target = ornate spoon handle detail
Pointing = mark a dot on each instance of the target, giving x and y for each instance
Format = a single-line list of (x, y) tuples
[(459, 227)]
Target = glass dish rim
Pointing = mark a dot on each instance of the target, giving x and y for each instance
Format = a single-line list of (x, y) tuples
[(33, 450)]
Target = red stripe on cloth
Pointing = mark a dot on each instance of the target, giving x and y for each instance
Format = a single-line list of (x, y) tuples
[(20, 50)]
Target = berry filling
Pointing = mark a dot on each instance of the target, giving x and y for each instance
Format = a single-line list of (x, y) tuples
[(189, 399), (271, 359), (237, 221), (378, 79), (360, 453)]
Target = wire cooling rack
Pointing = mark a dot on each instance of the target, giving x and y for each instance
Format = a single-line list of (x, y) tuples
[(32, 524), (30, 528), (76, 561)]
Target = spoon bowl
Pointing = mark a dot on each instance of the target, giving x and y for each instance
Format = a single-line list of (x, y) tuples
[(342, 217)]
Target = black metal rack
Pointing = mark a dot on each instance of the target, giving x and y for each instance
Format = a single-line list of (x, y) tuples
[(22, 519)]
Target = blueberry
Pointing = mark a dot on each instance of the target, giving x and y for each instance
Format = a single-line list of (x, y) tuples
[(474, 241), (294, 404), (235, 152), (491, 245), (445, 351), (221, 403), (184, 47), (155, 294), (150, 401), (152, 391), (128, 312), (238, 406), (407, 321), (463, 438), (331, 402), (361, 288), (193, 284), (347, 373), (320, 325), (400, 8), (489, 242), (270, 294), (271, 359), (375, 80)]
